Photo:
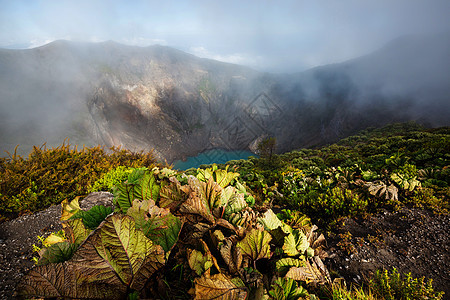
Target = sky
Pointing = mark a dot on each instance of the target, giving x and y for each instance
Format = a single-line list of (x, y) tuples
[(267, 35)]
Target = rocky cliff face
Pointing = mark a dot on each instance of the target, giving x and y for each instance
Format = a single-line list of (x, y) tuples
[(163, 99)]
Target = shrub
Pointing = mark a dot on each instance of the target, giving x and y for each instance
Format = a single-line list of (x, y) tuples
[(110, 179), (49, 176), (393, 286)]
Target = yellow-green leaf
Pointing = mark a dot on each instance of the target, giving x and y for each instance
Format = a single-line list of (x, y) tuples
[(198, 262), (69, 209), (219, 286), (295, 243), (256, 244), (76, 232)]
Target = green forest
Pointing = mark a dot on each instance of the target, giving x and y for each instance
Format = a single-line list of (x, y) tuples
[(247, 229)]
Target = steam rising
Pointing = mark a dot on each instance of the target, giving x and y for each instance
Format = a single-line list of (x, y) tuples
[(391, 63)]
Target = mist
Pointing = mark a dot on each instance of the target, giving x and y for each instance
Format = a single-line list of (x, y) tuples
[(183, 78), (268, 36)]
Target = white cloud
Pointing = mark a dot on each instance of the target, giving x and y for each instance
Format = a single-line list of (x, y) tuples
[(141, 41), (234, 58), (40, 42)]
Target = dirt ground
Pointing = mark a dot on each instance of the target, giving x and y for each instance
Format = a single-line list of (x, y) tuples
[(18, 236), (411, 240)]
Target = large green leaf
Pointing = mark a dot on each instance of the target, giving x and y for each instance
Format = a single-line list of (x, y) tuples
[(286, 289), (158, 224), (198, 261), (202, 198), (283, 265), (55, 253), (405, 182), (76, 232), (222, 177), (148, 187), (256, 244), (141, 184), (116, 257), (235, 202), (118, 249), (295, 243), (219, 286), (270, 221), (93, 217)]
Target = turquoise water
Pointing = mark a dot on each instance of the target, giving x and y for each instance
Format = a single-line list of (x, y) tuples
[(217, 156)]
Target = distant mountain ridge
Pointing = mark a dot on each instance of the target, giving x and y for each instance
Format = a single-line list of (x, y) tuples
[(161, 98)]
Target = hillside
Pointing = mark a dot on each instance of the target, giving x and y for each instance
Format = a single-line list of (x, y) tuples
[(179, 105), (381, 199)]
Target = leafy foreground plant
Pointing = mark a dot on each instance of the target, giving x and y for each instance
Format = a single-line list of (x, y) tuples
[(225, 249)]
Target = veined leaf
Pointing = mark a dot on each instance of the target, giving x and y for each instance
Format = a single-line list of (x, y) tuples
[(222, 177), (235, 204), (56, 253), (148, 188), (381, 190), (63, 280), (314, 272), (53, 239), (198, 262), (219, 286), (256, 244), (117, 248), (76, 232), (202, 198), (270, 221), (231, 254), (116, 257), (93, 217), (158, 224), (283, 265), (405, 182), (141, 184), (69, 209), (168, 234), (286, 289), (295, 243), (172, 194)]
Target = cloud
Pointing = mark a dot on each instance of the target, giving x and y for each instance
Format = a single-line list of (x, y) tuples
[(143, 42), (283, 36), (234, 58)]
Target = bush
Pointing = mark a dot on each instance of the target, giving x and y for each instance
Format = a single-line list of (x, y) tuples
[(110, 179), (393, 286), (326, 208), (49, 176)]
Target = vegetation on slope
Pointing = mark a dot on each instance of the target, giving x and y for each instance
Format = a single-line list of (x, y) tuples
[(238, 230), (48, 176), (401, 164)]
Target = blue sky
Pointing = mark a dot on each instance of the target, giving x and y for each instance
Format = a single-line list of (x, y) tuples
[(268, 35)]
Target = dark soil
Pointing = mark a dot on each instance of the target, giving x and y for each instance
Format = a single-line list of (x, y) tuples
[(411, 240), (18, 236)]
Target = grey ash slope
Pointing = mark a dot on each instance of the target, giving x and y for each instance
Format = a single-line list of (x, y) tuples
[(162, 98)]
